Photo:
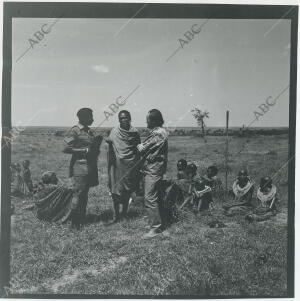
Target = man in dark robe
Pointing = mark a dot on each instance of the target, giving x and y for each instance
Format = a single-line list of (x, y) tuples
[(123, 163)]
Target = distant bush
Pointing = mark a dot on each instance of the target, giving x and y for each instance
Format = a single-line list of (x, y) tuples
[(241, 132), (59, 133), (272, 153)]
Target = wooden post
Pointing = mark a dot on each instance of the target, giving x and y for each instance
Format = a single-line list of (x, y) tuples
[(226, 152)]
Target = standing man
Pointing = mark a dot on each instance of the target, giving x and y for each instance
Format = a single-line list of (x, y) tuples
[(123, 163), (83, 171), (155, 153)]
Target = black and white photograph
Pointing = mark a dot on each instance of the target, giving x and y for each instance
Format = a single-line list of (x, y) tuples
[(148, 150)]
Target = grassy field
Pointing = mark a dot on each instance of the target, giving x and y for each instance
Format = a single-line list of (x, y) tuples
[(190, 259)]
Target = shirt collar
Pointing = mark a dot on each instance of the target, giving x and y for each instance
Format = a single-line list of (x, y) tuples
[(81, 126)]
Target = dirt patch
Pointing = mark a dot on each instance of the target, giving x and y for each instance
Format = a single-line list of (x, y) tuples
[(71, 276), (67, 279)]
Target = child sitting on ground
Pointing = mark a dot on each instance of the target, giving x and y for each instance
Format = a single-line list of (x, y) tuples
[(195, 192), (242, 191), (268, 198), (211, 179), (181, 169)]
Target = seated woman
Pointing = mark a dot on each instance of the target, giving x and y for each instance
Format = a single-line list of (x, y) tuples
[(52, 201), (18, 186), (211, 179), (181, 169), (268, 198), (242, 191), (194, 190)]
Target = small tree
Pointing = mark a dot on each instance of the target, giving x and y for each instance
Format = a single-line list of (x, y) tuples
[(199, 116)]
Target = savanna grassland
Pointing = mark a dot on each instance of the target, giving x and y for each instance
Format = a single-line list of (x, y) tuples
[(189, 259)]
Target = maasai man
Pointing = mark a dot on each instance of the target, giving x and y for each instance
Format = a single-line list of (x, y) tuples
[(123, 163), (155, 156), (181, 169), (268, 198), (242, 190), (83, 171), (26, 175)]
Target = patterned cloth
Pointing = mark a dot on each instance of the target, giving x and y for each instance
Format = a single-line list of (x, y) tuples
[(53, 203), (155, 152), (18, 186)]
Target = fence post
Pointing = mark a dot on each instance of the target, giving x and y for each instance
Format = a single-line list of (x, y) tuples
[(226, 153)]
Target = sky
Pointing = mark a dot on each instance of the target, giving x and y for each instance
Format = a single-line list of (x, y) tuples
[(233, 65)]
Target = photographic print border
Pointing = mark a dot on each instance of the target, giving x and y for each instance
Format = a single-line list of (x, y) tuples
[(128, 11)]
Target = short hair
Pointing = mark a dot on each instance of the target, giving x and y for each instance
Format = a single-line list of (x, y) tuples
[(47, 177), (124, 112), (16, 166), (182, 162), (200, 185), (156, 117), (214, 169), (26, 162), (84, 112), (191, 168), (243, 172), (266, 182)]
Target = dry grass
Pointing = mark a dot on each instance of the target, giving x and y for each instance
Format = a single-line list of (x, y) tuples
[(191, 259)]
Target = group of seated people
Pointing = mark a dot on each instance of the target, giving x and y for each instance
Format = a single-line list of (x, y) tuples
[(199, 191), (52, 200), (242, 203)]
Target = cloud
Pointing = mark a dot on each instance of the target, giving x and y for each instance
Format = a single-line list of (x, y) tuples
[(100, 68)]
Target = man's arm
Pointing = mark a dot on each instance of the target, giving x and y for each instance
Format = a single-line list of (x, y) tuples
[(70, 144), (144, 147)]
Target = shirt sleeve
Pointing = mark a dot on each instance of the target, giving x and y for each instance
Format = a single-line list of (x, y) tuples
[(155, 140), (70, 140)]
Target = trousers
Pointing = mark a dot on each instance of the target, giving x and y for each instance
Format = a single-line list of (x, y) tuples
[(153, 199)]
